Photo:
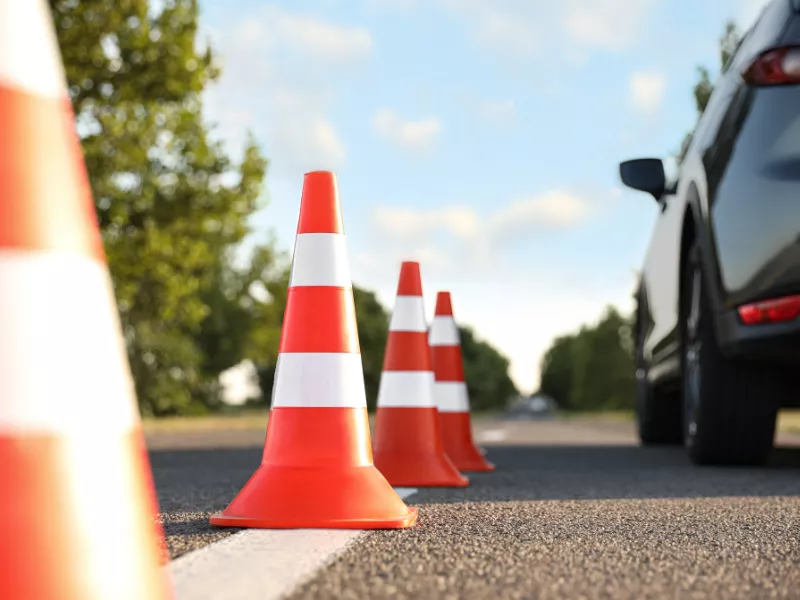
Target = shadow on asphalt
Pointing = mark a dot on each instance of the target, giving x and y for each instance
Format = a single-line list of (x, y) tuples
[(202, 481), (617, 472)]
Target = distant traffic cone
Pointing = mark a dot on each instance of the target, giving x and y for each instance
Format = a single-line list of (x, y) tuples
[(77, 501), (408, 441), (317, 470), (451, 394)]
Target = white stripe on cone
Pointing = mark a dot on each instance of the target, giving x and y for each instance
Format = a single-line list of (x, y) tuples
[(408, 314), (320, 259), (444, 332), (63, 365), (29, 53), (406, 389), (319, 380), (451, 396)]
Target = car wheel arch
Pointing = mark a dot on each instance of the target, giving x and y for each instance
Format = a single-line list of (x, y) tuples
[(695, 228)]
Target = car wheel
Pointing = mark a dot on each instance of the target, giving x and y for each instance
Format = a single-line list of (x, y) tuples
[(730, 406), (658, 417)]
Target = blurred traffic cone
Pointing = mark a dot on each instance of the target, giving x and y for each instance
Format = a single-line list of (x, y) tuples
[(77, 499), (450, 389), (317, 470), (408, 441)]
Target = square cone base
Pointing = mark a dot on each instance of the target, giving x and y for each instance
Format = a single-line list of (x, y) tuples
[(278, 497), (409, 451), (457, 438)]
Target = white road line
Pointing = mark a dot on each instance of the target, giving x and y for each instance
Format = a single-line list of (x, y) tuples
[(259, 564), (491, 435)]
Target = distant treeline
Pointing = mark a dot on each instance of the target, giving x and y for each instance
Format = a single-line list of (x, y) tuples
[(593, 368)]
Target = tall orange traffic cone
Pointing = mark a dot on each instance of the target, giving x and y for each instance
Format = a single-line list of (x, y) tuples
[(77, 499), (450, 389), (408, 442), (317, 470)]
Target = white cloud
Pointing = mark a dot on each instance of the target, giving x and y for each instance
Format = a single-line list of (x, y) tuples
[(390, 5), (552, 210), (460, 221), (468, 241), (417, 136), (605, 24), (500, 112), (647, 91), (306, 35), (279, 80), (525, 28)]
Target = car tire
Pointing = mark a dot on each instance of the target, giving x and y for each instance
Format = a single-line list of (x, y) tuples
[(658, 416), (730, 406)]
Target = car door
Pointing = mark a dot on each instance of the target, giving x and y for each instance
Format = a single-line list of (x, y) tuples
[(661, 278)]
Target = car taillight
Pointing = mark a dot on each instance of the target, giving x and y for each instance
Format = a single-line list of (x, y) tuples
[(780, 310), (779, 66)]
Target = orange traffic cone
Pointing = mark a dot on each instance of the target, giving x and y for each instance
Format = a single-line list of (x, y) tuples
[(77, 499), (408, 441), (450, 390), (317, 470)]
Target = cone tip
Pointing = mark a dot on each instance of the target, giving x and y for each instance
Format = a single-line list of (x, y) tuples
[(320, 210), (410, 283), (444, 305)]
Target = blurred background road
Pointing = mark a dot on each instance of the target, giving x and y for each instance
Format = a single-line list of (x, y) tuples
[(575, 509)]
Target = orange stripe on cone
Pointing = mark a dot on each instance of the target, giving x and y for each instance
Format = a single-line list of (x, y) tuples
[(317, 319), (41, 166), (316, 470), (408, 441), (407, 351), (67, 533), (450, 390)]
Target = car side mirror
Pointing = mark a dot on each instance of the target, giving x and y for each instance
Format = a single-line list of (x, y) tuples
[(644, 175)]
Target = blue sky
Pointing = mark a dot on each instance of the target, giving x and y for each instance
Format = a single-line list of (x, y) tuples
[(481, 138)]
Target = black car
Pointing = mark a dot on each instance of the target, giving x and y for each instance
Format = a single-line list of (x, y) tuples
[(718, 317)]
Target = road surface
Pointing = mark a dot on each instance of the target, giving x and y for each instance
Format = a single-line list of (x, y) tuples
[(574, 510)]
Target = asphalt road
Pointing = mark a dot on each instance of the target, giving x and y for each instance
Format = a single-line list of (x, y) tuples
[(575, 510)]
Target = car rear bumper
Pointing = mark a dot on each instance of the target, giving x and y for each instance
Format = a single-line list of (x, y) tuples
[(776, 343)]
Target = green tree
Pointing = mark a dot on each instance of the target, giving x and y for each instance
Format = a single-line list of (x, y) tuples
[(486, 373), (373, 329), (704, 87), (246, 310), (170, 202), (592, 369), (557, 371), (603, 367)]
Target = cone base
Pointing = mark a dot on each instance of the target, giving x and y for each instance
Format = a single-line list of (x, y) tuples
[(298, 498), (408, 449), (317, 473), (457, 439)]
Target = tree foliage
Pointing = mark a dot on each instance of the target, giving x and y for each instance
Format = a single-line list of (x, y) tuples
[(171, 204), (486, 373), (373, 329), (592, 369), (174, 209)]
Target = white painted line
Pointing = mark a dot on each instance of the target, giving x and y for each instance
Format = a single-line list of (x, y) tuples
[(491, 435), (259, 564)]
